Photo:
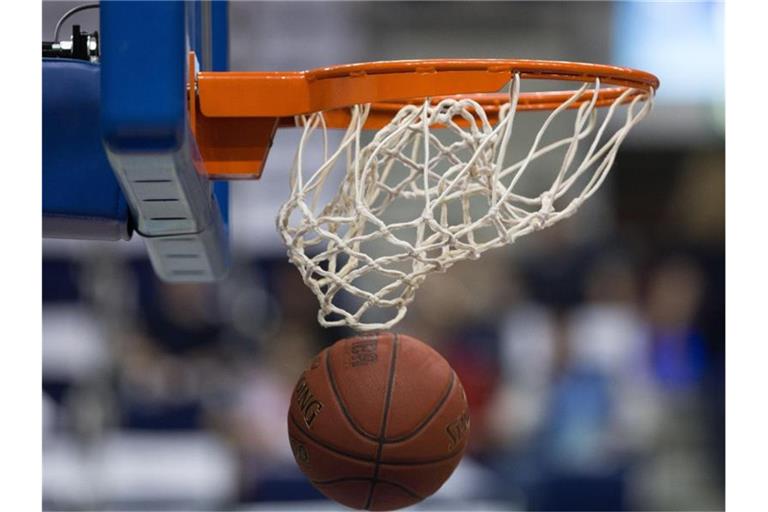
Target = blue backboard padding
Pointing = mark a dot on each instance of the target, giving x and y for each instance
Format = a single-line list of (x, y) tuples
[(144, 72), (220, 31), (78, 182), (143, 75)]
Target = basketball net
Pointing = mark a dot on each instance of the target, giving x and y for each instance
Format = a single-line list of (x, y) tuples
[(449, 163)]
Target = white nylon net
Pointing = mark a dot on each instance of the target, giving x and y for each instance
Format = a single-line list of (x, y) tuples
[(437, 185)]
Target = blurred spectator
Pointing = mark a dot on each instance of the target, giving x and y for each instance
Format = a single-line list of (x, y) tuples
[(678, 352)]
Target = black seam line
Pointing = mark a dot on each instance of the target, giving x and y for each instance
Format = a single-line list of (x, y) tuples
[(186, 239), (359, 458), (340, 401), (383, 430), (367, 479), (327, 446), (361, 431), (431, 415)]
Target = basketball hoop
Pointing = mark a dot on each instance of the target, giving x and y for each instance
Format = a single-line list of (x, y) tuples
[(443, 151)]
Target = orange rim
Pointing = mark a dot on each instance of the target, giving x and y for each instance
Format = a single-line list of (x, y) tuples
[(236, 94), (381, 113), (235, 114), (527, 68)]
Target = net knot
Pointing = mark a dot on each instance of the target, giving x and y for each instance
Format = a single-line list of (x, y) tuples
[(547, 202), (547, 209)]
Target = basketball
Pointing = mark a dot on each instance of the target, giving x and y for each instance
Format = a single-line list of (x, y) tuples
[(378, 421)]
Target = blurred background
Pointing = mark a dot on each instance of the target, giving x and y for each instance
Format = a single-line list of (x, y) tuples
[(592, 353)]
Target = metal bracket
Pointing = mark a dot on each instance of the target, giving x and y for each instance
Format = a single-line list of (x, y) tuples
[(176, 212)]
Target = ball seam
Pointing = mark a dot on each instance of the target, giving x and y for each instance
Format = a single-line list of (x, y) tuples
[(368, 479), (360, 458), (340, 401), (421, 426), (350, 419), (383, 429)]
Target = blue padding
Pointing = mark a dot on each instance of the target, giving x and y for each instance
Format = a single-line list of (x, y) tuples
[(220, 37), (144, 62), (81, 196)]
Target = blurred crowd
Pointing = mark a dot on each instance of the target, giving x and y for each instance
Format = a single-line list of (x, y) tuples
[(592, 360)]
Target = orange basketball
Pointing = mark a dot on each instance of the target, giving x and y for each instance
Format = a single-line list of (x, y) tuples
[(378, 421)]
